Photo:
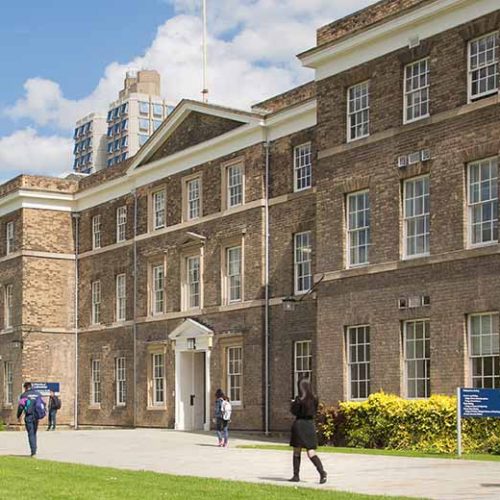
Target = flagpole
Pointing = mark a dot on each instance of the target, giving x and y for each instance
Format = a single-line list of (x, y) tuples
[(204, 92)]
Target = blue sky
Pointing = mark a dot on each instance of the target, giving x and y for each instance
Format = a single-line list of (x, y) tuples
[(61, 59)]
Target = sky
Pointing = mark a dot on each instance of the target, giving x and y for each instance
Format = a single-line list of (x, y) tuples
[(62, 59)]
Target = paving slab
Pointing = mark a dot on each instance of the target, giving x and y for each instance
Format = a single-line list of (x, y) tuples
[(196, 454)]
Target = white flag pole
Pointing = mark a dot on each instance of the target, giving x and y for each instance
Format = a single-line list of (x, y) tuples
[(459, 423)]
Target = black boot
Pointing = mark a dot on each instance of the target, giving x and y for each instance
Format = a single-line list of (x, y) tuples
[(319, 466), (296, 468)]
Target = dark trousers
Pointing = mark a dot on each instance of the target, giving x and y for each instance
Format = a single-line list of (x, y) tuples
[(52, 419), (31, 424)]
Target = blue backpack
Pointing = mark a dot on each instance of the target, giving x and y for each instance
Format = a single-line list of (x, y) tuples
[(39, 410)]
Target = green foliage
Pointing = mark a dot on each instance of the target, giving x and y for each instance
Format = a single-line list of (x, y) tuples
[(2, 426), (390, 422)]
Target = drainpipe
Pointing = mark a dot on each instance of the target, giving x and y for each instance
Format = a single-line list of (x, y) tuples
[(76, 218), (266, 295), (134, 193)]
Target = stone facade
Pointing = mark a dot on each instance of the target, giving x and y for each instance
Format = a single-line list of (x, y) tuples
[(159, 365)]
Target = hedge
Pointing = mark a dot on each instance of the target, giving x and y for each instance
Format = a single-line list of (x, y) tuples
[(390, 422)]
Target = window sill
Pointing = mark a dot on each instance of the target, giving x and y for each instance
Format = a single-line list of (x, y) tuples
[(156, 408), (94, 407), (9, 329), (8, 406)]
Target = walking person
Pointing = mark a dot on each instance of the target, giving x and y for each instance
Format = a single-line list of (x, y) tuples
[(305, 407), (226, 417), (220, 423), (33, 407), (54, 407)]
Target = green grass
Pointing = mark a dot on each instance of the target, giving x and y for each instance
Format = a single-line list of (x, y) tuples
[(365, 451), (54, 480)]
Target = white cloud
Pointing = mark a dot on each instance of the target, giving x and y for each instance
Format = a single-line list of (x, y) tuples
[(252, 49), (25, 151)]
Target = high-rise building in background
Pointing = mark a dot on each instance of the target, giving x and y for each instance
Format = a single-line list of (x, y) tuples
[(131, 120), (90, 144)]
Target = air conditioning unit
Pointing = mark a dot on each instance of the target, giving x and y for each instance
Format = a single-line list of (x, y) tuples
[(414, 158), (402, 303), (414, 301), (425, 155), (402, 161)]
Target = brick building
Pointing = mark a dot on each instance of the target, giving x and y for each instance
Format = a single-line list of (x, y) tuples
[(376, 184)]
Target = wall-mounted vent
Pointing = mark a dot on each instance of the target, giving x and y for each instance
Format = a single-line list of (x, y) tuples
[(402, 303), (426, 300), (413, 158), (414, 301), (402, 161)]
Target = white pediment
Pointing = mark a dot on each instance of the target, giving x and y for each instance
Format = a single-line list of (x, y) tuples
[(191, 335)]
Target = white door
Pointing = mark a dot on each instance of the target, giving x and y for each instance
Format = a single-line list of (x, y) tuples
[(191, 397)]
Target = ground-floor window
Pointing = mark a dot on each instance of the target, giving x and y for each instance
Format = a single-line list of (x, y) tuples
[(158, 378), (234, 373), (484, 350), (302, 363), (121, 381), (95, 389), (417, 340), (358, 361), (8, 383)]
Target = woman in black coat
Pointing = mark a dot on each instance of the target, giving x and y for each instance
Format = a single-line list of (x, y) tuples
[(305, 407)]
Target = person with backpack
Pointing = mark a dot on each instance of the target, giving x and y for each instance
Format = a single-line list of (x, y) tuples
[(226, 417), (33, 407), (304, 408), (220, 422), (54, 406)]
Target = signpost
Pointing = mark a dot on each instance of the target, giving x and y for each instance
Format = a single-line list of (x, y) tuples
[(44, 388), (475, 403)]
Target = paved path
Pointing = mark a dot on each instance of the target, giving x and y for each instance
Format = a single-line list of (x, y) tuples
[(196, 454)]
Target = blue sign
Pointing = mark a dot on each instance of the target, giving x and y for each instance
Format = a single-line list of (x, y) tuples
[(479, 403), (44, 388)]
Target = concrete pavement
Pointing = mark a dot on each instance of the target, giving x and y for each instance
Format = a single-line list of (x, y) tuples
[(195, 454)]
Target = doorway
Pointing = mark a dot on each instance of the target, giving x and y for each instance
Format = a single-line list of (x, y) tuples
[(192, 397)]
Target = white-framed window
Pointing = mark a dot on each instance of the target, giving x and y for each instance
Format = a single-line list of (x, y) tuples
[(121, 297), (233, 274), (302, 262), (8, 309), (358, 361), (417, 358), (95, 386), (121, 381), (302, 363), (358, 111), (234, 185), (235, 374), (416, 90), (158, 289), (193, 282), (193, 192), (158, 379), (158, 110), (159, 206), (9, 237), (484, 350), (483, 61), (358, 228), (143, 138), (143, 125), (483, 201), (121, 223), (8, 377), (302, 167), (416, 217), (144, 107), (96, 231), (96, 302)]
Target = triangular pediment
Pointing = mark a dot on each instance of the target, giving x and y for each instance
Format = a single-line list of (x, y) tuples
[(190, 124), (190, 328)]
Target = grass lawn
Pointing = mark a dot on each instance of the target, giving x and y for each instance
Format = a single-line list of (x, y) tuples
[(364, 451), (54, 480)]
